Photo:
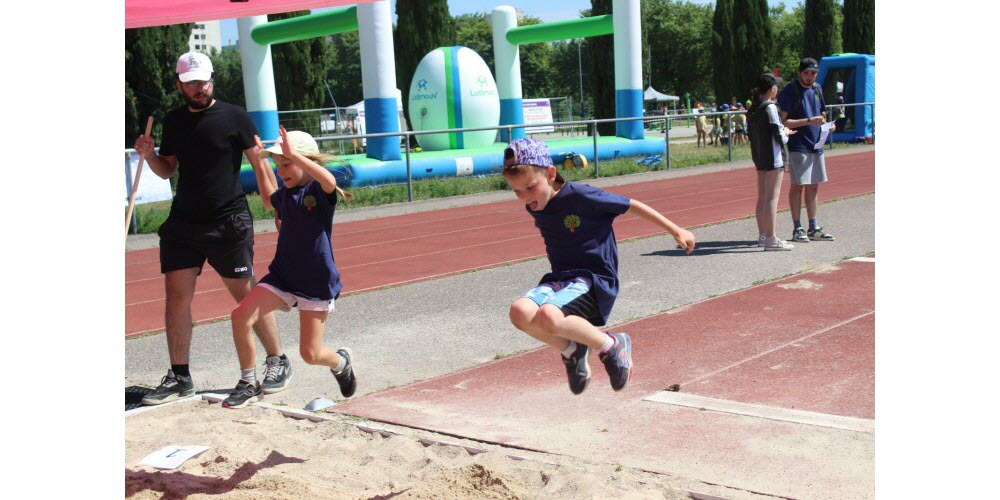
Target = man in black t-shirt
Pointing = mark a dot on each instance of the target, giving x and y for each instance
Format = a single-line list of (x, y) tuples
[(209, 219)]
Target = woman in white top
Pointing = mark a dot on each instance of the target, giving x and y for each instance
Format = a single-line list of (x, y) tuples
[(767, 139)]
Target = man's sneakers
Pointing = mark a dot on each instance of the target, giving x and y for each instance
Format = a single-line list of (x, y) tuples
[(277, 373), (171, 388), (347, 378), (819, 234), (244, 394), (618, 361), (577, 369)]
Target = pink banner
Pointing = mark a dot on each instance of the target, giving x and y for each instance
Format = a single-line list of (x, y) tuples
[(143, 13)]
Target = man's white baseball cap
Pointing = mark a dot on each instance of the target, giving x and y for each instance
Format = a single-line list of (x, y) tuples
[(194, 66)]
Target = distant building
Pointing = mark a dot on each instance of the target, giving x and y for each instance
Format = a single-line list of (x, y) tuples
[(205, 36)]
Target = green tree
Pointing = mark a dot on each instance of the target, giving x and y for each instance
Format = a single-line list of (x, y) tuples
[(600, 54), (787, 29), (150, 62), (421, 26), (723, 51), (567, 73), (228, 77), (300, 69), (679, 36), (858, 29), (537, 70), (474, 32), (820, 29), (344, 76), (752, 44)]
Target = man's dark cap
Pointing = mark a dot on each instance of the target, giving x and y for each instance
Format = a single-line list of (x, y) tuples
[(808, 64)]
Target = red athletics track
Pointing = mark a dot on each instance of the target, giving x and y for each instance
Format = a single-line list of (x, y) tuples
[(801, 344), (401, 249)]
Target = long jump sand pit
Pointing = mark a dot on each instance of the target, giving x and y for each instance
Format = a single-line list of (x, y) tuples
[(257, 452)]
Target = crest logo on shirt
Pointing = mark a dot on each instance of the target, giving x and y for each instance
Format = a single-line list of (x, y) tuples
[(572, 222), (309, 201)]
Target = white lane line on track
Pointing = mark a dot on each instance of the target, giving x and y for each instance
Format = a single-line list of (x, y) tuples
[(853, 424), (782, 346)]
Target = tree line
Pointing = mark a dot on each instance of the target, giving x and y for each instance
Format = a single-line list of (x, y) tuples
[(710, 52)]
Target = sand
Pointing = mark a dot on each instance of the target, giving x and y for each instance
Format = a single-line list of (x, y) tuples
[(257, 452)]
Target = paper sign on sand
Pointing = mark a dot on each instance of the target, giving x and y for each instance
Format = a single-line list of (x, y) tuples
[(171, 457)]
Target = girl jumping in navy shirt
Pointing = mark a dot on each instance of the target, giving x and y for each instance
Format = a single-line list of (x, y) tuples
[(303, 273)]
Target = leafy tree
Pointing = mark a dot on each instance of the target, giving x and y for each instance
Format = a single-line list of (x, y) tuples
[(679, 36), (723, 51), (820, 29), (567, 72), (421, 26), (858, 29), (150, 62), (787, 28), (475, 32), (344, 75), (537, 70), (599, 59), (752, 44), (300, 69), (228, 77)]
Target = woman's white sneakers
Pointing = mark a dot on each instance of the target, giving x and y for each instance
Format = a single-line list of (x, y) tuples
[(773, 243)]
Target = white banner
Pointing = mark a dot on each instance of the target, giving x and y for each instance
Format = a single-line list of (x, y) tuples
[(151, 187), (537, 111)]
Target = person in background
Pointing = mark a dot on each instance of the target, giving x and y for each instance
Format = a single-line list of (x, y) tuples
[(802, 107), (701, 126), (767, 143)]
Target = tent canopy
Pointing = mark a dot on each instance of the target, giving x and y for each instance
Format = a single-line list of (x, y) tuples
[(143, 13), (653, 95)]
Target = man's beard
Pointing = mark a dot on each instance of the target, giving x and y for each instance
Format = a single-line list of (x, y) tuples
[(197, 105)]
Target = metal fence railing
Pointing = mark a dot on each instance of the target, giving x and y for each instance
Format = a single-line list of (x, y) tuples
[(578, 127)]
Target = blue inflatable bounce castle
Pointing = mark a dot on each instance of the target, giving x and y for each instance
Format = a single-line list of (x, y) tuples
[(855, 74)]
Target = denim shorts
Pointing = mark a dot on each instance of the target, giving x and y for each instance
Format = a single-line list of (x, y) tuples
[(574, 297)]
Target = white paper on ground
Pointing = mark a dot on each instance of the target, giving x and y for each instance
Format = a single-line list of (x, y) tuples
[(171, 457), (824, 130)]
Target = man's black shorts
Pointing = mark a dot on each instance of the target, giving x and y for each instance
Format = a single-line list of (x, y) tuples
[(227, 245)]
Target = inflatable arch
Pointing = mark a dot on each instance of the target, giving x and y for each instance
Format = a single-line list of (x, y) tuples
[(624, 23), (372, 20)]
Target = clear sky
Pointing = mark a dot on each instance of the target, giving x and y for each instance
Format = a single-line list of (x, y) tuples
[(546, 10)]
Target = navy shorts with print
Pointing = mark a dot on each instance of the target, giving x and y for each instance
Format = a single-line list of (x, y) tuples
[(227, 245), (574, 297)]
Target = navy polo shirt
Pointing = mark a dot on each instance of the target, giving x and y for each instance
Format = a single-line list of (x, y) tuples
[(804, 139), (303, 263)]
